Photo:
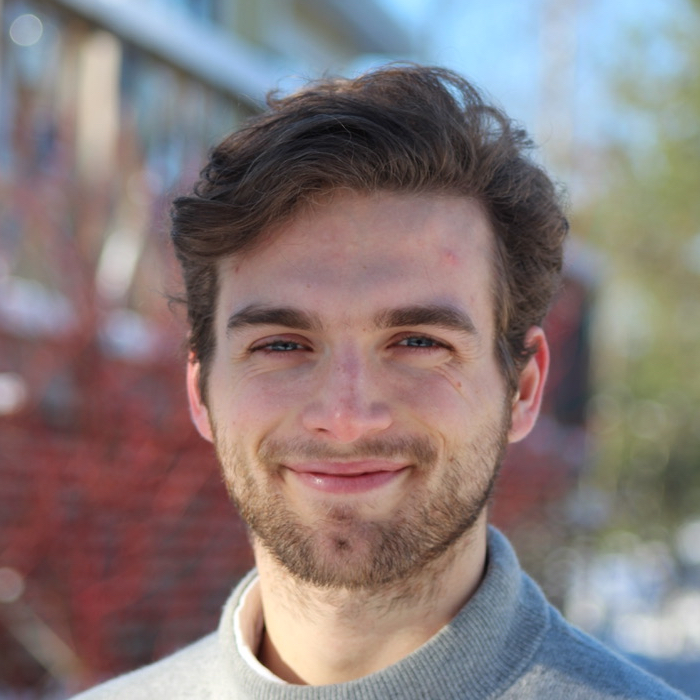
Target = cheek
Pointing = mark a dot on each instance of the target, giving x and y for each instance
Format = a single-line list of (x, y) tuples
[(434, 398), (452, 400), (259, 401)]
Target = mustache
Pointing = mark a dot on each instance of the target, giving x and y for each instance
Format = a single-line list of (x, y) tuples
[(415, 450)]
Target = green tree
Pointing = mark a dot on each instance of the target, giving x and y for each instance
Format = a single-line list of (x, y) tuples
[(646, 223)]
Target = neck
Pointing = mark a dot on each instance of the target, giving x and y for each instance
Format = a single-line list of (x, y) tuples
[(320, 636)]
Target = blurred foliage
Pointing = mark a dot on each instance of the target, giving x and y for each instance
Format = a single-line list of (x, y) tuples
[(645, 221)]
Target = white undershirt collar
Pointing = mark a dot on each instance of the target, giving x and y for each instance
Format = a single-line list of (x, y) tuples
[(248, 626)]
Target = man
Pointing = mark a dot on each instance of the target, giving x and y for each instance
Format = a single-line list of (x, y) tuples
[(367, 266)]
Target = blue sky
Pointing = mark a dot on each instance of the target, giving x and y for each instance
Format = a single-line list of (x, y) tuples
[(503, 46)]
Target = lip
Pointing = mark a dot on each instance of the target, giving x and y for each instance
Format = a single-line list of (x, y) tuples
[(347, 477), (352, 468)]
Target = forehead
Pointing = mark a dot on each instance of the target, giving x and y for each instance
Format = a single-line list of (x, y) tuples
[(353, 250)]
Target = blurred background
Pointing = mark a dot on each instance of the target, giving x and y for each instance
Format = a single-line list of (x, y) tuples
[(117, 543)]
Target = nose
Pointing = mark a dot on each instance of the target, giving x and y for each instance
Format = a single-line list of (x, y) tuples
[(347, 404)]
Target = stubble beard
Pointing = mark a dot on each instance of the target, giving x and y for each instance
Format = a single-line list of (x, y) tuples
[(343, 550)]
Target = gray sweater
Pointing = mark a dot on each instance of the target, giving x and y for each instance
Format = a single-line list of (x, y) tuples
[(507, 642)]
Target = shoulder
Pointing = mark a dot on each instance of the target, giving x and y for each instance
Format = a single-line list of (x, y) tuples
[(548, 658), (188, 673), (570, 664)]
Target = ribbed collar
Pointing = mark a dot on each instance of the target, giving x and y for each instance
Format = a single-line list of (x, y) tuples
[(483, 649)]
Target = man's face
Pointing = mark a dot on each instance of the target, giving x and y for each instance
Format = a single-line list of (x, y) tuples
[(354, 398)]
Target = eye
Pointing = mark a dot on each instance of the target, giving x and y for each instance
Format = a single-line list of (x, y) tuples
[(417, 342), (278, 345), (421, 342)]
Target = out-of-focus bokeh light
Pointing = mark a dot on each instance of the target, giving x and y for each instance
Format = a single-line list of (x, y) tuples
[(11, 585), (26, 30), (13, 393), (688, 543)]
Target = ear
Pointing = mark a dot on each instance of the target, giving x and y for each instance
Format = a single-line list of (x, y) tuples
[(198, 410), (528, 398)]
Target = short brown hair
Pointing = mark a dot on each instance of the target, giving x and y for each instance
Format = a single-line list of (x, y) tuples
[(407, 129)]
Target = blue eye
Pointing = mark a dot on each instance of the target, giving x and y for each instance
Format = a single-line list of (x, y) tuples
[(419, 341), (280, 346)]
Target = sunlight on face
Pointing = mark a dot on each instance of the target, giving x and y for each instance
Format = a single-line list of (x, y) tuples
[(358, 409)]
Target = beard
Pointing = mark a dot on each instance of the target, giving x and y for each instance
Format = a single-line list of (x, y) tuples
[(341, 547)]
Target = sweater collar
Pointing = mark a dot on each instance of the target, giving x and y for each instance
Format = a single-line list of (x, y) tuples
[(488, 644)]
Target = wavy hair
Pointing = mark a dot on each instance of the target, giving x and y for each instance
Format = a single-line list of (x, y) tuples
[(401, 129)]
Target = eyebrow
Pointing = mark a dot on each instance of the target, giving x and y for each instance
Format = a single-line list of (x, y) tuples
[(261, 315), (439, 315)]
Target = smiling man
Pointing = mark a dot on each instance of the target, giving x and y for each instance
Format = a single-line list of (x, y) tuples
[(367, 266)]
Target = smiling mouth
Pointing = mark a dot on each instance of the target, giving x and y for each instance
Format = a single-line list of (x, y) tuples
[(347, 478), (366, 457), (347, 469)]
